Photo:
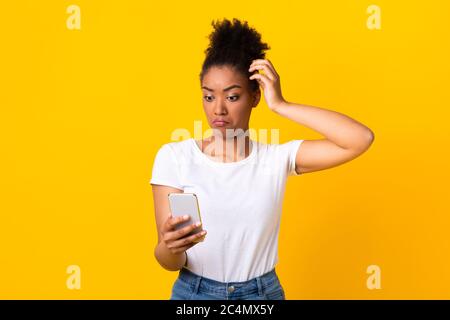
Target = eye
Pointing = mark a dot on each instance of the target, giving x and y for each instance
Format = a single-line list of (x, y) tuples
[(206, 98), (237, 97)]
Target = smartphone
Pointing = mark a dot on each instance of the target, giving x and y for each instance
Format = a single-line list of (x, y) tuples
[(186, 203)]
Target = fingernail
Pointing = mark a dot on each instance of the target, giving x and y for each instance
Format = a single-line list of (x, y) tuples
[(203, 232), (198, 224), (185, 216)]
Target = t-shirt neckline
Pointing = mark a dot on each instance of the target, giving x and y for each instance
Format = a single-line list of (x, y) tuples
[(228, 164)]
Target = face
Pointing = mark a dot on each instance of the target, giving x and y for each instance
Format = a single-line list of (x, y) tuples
[(227, 99)]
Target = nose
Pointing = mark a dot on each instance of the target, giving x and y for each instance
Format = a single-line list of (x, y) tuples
[(220, 108)]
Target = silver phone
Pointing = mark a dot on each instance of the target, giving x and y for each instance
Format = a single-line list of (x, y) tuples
[(186, 203)]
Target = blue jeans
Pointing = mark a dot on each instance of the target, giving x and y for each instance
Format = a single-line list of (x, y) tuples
[(190, 286)]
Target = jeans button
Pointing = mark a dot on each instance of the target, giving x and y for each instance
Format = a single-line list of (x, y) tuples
[(230, 289)]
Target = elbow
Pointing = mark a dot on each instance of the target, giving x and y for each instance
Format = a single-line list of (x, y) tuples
[(370, 137), (365, 141)]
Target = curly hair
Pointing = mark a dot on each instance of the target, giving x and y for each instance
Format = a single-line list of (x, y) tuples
[(235, 44)]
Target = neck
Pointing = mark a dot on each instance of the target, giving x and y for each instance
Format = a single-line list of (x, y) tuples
[(229, 148)]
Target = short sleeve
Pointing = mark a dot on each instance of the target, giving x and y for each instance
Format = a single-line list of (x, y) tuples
[(166, 168), (290, 150)]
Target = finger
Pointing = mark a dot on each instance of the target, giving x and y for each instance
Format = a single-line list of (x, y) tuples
[(182, 249), (177, 234), (269, 63), (265, 62), (186, 240), (172, 222), (261, 78), (266, 69), (184, 231)]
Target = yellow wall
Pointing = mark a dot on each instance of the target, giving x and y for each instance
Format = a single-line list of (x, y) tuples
[(83, 113)]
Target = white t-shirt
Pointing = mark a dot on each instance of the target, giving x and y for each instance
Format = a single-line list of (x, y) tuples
[(240, 204)]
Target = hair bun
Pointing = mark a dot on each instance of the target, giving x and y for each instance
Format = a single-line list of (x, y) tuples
[(235, 39), (234, 43)]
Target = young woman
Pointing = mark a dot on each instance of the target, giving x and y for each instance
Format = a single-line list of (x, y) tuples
[(239, 186)]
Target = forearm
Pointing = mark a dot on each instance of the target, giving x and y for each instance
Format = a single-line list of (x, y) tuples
[(167, 259), (336, 127)]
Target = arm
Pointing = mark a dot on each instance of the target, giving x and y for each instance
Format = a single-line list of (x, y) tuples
[(170, 251), (163, 255), (345, 138)]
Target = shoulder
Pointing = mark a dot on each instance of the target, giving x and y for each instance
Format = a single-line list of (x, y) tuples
[(175, 146), (174, 149), (276, 148), (285, 154)]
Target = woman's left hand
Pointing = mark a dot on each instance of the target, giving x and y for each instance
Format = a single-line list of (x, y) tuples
[(269, 81)]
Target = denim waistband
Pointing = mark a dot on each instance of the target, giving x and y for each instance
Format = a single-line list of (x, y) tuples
[(257, 284)]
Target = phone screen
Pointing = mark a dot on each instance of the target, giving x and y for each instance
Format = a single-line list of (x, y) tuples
[(182, 204)]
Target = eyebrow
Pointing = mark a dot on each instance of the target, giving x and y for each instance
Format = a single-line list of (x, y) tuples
[(226, 89)]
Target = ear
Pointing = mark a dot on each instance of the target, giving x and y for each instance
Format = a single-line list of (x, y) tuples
[(256, 98)]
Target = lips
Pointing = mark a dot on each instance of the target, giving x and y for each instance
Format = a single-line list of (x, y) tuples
[(220, 122)]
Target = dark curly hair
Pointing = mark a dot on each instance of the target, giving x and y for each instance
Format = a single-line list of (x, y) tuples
[(234, 44)]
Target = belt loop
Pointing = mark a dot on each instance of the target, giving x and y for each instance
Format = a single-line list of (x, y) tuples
[(260, 286)]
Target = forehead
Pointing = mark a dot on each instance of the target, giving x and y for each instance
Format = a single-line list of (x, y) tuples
[(223, 76)]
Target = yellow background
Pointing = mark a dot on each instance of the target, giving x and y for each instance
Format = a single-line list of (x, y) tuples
[(83, 113)]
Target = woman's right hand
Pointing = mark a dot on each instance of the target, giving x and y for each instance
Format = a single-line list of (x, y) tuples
[(176, 240)]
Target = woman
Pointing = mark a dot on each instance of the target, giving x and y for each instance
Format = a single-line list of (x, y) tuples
[(239, 186)]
